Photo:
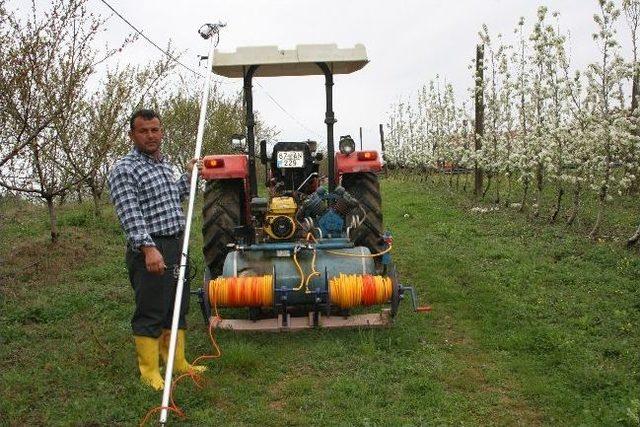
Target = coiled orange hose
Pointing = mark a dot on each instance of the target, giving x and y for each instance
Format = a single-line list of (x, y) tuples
[(250, 291), (348, 291)]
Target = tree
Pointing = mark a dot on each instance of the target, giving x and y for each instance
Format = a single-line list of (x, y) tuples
[(26, 52), (522, 150), (48, 58), (632, 163), (604, 90), (557, 155), (541, 97), (98, 133), (98, 136), (225, 117), (632, 12), (494, 138)]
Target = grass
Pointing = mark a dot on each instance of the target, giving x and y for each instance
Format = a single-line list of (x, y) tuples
[(531, 325)]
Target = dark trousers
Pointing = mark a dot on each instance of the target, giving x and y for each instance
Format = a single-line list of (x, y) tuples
[(154, 294)]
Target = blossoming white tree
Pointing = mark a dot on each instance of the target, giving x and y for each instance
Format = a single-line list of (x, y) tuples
[(546, 124)]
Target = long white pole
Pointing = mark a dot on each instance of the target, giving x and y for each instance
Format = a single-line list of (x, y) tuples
[(185, 245)]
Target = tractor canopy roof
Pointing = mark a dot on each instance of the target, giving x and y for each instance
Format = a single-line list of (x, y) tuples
[(300, 61)]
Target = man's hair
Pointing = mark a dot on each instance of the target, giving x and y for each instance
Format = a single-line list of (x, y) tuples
[(145, 114)]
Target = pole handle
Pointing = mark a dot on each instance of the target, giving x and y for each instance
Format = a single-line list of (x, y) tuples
[(166, 394)]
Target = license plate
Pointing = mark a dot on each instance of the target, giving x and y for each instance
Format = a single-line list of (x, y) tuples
[(290, 159)]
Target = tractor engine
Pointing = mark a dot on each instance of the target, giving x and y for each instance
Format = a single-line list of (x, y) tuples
[(320, 213), (279, 221), (330, 213)]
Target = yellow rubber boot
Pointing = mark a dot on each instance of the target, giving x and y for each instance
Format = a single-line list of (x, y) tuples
[(180, 364), (148, 349)]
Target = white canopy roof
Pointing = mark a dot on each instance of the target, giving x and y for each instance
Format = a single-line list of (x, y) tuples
[(300, 61)]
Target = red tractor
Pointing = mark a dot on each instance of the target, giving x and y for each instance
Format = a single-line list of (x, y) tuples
[(306, 255)]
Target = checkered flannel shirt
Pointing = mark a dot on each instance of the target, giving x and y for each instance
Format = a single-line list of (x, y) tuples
[(147, 198)]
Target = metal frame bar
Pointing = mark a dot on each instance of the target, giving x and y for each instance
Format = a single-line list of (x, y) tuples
[(251, 123), (330, 120), (313, 320)]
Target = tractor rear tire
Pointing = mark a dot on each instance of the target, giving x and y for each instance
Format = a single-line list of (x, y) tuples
[(221, 213), (366, 188)]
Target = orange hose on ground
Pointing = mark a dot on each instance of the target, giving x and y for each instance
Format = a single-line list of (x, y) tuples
[(196, 378)]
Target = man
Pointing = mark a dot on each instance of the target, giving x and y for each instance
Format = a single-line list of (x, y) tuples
[(147, 200)]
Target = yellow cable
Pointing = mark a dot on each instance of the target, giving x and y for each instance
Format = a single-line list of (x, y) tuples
[(295, 261), (361, 256), (314, 272)]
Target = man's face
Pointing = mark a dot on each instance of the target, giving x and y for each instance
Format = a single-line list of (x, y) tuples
[(146, 135)]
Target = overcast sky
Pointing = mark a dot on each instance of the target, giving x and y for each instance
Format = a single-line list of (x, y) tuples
[(407, 42)]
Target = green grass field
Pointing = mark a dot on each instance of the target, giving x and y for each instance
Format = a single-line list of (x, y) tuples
[(531, 325)]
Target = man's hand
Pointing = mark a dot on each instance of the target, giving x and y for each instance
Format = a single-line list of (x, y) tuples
[(153, 260), (197, 162)]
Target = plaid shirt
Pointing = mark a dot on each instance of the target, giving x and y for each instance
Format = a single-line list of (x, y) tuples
[(147, 198)]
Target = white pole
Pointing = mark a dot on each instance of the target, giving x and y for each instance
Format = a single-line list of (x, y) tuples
[(209, 32)]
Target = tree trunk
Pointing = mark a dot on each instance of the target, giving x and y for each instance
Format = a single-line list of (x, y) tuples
[(497, 200), (479, 116), (634, 239), (604, 190), (602, 197), (556, 210), (634, 89), (96, 195), (576, 205), (539, 183), (634, 187), (52, 219), (96, 206), (384, 167), (524, 195), (486, 189), (507, 197)]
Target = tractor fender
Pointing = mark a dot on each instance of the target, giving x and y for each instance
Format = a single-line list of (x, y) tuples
[(225, 166), (356, 162)]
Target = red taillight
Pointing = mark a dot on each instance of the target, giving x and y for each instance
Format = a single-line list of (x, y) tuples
[(214, 163), (367, 155)]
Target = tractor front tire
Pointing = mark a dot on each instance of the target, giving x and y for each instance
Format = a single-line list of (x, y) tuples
[(365, 188), (221, 213)]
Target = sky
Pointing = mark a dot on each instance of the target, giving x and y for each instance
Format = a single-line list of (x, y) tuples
[(408, 43)]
